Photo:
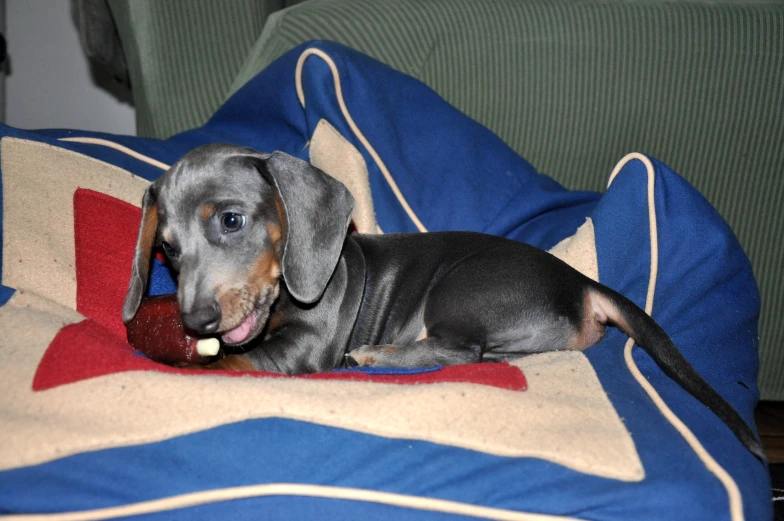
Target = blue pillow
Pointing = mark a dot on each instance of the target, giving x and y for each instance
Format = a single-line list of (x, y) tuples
[(94, 431)]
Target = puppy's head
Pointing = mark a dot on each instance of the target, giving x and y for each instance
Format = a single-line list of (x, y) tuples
[(232, 221)]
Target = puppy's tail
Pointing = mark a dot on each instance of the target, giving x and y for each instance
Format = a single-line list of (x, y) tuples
[(611, 307)]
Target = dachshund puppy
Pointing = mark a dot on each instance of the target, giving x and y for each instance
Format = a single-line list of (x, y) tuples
[(264, 259)]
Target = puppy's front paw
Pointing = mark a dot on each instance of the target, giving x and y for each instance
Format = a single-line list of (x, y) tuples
[(355, 359), (372, 356)]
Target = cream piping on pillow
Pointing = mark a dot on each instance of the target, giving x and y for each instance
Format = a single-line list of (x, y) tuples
[(360, 136), (735, 498), (118, 147), (291, 489)]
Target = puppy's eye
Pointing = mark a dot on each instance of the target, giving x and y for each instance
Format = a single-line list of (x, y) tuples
[(168, 249), (232, 222)]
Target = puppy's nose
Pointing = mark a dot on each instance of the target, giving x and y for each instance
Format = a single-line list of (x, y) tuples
[(203, 320)]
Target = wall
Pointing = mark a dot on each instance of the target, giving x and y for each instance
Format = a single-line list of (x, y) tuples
[(50, 82)]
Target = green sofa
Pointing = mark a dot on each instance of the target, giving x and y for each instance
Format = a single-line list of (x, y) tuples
[(572, 86)]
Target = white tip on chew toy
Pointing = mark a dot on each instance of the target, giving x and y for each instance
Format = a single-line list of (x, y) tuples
[(208, 346)]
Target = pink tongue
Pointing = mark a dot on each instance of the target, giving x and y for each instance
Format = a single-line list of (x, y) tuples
[(240, 333)]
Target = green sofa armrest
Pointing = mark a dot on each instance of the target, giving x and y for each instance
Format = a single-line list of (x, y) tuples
[(183, 55)]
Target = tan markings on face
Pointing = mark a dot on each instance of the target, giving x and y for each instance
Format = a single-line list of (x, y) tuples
[(207, 211), (149, 229), (235, 304), (166, 236), (274, 232), (265, 270), (239, 298)]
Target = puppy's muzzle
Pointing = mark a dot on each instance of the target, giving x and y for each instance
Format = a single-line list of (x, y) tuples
[(204, 319)]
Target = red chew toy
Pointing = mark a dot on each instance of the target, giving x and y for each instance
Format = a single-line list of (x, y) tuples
[(158, 332)]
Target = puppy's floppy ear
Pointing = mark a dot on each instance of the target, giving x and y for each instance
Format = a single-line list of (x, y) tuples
[(317, 210), (141, 258)]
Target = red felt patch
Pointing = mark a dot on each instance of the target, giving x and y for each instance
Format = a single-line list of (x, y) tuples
[(105, 231), (87, 349), (105, 236)]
